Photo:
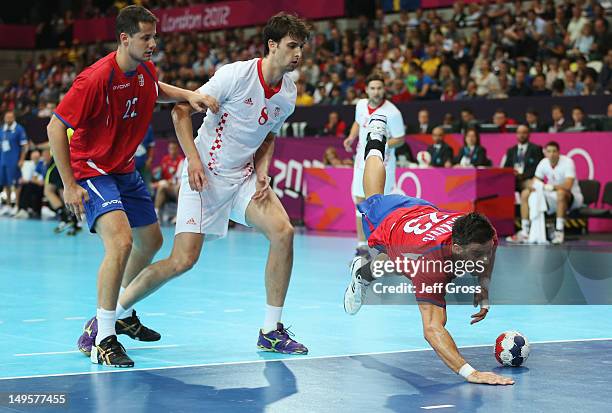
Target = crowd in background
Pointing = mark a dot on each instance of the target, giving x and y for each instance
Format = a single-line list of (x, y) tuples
[(475, 51)]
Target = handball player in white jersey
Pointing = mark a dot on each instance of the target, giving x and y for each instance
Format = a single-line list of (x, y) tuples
[(225, 175), (365, 108)]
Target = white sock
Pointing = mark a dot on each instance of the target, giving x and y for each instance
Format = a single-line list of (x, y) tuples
[(375, 152), (273, 316), (106, 324), (362, 244), (121, 312), (525, 224), (560, 224)]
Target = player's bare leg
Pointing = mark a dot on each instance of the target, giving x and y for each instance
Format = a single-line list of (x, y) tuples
[(269, 216), (374, 176), (115, 232), (185, 253)]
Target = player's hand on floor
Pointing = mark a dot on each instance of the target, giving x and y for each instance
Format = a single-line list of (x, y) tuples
[(201, 102), (487, 377), (262, 185), (197, 177), (479, 316), (74, 197)]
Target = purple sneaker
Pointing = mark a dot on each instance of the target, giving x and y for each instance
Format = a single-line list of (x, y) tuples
[(280, 341), (87, 339)]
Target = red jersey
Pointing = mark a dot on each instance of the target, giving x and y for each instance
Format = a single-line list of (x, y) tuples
[(110, 112), (421, 233), (169, 167)]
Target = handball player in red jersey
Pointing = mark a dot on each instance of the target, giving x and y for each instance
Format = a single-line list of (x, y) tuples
[(411, 229), (109, 106)]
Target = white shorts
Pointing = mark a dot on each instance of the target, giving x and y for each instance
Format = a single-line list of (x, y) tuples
[(551, 201), (208, 212), (357, 186)]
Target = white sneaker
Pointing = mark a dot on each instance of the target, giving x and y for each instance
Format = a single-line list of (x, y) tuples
[(355, 293), (22, 214), (378, 126), (520, 237), (558, 238), (47, 213), (5, 210), (13, 211)]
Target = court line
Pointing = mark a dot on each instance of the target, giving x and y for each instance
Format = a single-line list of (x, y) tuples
[(237, 363), (52, 353), (34, 320), (439, 406)]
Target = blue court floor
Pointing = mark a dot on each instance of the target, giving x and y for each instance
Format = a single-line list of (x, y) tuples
[(209, 318)]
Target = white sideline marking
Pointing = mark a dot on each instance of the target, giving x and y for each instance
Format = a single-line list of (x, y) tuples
[(52, 353), (284, 360), (439, 406)]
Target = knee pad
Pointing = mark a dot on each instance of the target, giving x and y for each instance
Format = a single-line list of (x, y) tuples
[(375, 144)]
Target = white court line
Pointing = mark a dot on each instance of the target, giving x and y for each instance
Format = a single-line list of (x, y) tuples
[(194, 312), (34, 320), (154, 314), (74, 318), (52, 353), (439, 406), (237, 363), (233, 310)]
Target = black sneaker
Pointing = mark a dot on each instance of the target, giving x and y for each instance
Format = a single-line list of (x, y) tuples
[(132, 327), (110, 352)]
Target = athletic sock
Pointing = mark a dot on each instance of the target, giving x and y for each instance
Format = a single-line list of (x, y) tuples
[(525, 224), (361, 244), (560, 226), (106, 324), (121, 312), (273, 316)]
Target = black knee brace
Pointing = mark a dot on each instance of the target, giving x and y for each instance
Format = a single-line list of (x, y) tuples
[(375, 144)]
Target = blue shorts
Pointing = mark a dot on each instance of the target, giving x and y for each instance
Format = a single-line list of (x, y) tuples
[(9, 174), (376, 208), (124, 192)]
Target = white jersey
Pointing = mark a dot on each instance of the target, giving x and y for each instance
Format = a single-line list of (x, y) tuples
[(564, 169), (395, 126), (248, 111)]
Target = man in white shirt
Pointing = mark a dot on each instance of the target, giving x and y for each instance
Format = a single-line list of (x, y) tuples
[(561, 191), (365, 108), (225, 174)]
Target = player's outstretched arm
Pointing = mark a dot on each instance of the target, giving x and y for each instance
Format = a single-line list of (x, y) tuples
[(434, 320), (353, 134), (181, 117), (199, 102)]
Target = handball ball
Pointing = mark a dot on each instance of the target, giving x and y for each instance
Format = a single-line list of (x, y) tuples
[(424, 158), (511, 348)]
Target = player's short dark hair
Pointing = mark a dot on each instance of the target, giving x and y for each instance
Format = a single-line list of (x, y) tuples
[(129, 18), (578, 108), (473, 227), (552, 143), (374, 77), (284, 24)]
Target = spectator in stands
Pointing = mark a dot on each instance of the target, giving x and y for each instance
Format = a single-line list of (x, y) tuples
[(13, 150), (580, 123), (572, 86), (334, 126), (400, 92), (602, 39), (331, 158), (470, 93), (166, 186), (559, 124), (471, 153), (441, 153), (538, 86), (467, 121), (532, 120), (605, 76), (583, 43), (575, 25), (424, 85), (502, 121), (303, 97), (523, 157), (561, 191), (423, 125), (487, 82)]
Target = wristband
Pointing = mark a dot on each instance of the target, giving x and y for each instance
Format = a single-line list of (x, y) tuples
[(466, 370)]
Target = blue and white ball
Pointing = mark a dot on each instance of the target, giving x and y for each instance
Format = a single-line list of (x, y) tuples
[(511, 348)]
